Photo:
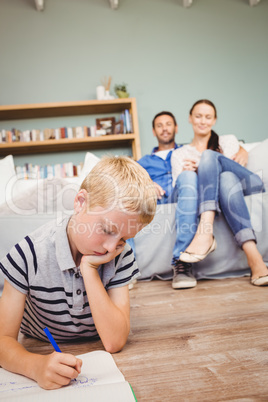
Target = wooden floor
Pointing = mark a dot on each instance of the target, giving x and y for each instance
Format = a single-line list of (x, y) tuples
[(209, 343)]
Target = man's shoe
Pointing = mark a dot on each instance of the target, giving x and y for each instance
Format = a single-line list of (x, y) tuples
[(183, 277)]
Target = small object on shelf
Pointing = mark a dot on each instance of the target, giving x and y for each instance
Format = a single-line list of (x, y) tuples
[(103, 91), (105, 125), (100, 91), (119, 127), (121, 90)]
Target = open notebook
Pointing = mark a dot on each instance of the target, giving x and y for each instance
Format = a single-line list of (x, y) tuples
[(100, 380)]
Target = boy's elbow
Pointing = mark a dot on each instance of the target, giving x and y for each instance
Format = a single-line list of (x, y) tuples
[(114, 346)]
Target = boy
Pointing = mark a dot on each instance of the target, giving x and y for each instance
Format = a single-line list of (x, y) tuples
[(73, 278)]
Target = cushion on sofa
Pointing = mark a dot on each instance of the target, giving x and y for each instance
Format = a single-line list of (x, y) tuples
[(8, 172), (34, 196), (257, 161)]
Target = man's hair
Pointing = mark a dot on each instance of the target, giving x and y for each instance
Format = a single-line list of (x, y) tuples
[(162, 114), (121, 183)]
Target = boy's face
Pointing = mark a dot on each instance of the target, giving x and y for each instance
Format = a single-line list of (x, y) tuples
[(101, 231)]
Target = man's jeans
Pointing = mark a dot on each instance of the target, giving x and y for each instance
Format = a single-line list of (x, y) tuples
[(185, 195)]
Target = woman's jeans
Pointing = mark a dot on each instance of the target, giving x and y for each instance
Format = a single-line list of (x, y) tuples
[(185, 195), (223, 184)]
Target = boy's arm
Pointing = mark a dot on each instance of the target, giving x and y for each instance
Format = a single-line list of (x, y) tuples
[(50, 371), (110, 310)]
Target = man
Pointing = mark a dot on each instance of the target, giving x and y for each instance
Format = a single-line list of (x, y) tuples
[(158, 165)]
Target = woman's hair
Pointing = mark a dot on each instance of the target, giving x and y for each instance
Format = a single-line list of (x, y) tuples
[(121, 183), (213, 142), (163, 114)]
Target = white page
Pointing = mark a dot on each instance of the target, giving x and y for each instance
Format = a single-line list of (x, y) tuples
[(100, 380)]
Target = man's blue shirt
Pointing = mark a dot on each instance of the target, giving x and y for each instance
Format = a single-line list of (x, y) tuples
[(159, 169)]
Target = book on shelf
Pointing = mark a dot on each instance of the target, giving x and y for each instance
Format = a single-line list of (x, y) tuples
[(16, 135), (93, 130), (126, 118), (69, 132), (100, 380), (59, 170), (128, 130)]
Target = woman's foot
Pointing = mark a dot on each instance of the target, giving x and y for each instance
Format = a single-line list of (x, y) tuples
[(259, 275), (190, 256), (259, 271), (260, 281), (200, 244)]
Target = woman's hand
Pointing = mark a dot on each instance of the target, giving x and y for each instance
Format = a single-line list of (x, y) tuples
[(190, 164), (241, 157)]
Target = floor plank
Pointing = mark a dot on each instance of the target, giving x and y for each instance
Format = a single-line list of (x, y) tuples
[(209, 343)]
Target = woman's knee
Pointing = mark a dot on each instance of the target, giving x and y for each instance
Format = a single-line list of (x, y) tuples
[(187, 184), (208, 155), (229, 181), (187, 177)]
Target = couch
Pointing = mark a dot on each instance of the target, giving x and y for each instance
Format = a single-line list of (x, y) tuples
[(154, 244), (27, 204)]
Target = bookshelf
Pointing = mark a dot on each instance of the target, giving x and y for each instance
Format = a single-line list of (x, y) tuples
[(77, 108)]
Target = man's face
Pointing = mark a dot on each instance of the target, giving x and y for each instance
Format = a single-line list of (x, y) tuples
[(164, 130)]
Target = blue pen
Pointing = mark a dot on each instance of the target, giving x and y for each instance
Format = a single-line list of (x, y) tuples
[(52, 340)]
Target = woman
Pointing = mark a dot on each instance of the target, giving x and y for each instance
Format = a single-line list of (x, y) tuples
[(223, 182)]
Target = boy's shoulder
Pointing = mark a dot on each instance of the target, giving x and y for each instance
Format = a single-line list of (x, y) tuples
[(49, 229)]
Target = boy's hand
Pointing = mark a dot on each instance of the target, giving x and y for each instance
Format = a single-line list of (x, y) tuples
[(94, 261), (56, 370)]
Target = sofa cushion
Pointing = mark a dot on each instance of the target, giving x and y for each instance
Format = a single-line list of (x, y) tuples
[(7, 170), (257, 161)]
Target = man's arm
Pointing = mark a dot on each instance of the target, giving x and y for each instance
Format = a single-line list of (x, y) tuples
[(147, 163), (50, 371)]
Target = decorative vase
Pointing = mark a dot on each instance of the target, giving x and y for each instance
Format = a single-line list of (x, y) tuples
[(122, 94), (100, 90)]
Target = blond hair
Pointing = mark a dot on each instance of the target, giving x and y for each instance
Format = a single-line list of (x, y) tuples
[(121, 183)]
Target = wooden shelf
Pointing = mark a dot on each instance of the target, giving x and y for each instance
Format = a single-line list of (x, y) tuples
[(78, 108), (23, 148)]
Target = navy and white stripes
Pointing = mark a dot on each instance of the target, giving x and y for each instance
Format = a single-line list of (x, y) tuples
[(42, 267)]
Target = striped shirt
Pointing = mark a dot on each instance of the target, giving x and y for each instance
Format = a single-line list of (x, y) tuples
[(42, 267)]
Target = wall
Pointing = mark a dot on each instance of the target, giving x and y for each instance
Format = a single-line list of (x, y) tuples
[(169, 56)]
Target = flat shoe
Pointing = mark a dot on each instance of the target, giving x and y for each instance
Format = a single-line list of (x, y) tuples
[(191, 257), (260, 281)]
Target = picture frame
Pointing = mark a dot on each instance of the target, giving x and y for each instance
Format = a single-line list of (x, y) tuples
[(107, 124), (119, 127)]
